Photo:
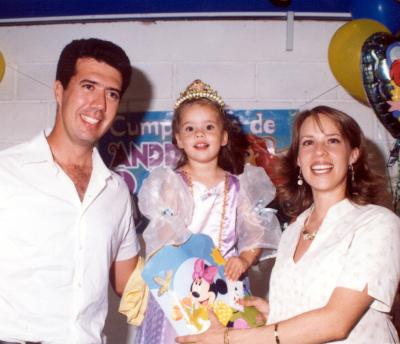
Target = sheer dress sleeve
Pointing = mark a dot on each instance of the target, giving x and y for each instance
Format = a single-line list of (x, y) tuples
[(257, 226), (167, 202)]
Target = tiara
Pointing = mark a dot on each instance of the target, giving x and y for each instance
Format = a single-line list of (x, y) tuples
[(198, 89)]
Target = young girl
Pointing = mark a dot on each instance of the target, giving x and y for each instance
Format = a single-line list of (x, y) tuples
[(203, 195)]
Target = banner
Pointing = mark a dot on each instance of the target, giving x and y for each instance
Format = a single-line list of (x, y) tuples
[(140, 141)]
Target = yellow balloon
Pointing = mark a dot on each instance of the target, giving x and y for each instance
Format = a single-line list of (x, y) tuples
[(2, 66), (344, 54)]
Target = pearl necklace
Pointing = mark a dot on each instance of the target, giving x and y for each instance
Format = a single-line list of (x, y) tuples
[(224, 204), (306, 234)]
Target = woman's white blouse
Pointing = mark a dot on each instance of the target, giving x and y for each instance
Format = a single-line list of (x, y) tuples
[(356, 246)]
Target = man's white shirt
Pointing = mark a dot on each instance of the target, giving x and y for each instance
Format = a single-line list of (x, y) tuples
[(56, 251)]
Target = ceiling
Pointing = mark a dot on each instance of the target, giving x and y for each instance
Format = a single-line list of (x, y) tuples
[(22, 11)]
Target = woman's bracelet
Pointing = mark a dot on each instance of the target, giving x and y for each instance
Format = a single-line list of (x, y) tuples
[(276, 334), (226, 336)]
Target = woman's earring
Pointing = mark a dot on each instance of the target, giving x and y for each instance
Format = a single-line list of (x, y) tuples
[(351, 169), (300, 180)]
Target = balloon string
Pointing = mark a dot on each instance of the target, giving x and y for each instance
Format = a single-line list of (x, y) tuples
[(45, 85), (319, 95), (29, 76)]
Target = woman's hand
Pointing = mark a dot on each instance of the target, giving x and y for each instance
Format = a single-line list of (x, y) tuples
[(235, 267), (259, 303), (214, 334)]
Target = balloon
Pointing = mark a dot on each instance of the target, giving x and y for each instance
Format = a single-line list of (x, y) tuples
[(386, 12), (2, 66), (344, 54), (381, 78)]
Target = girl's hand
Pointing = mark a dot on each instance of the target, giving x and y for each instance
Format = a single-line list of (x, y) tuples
[(235, 267), (214, 334), (259, 303)]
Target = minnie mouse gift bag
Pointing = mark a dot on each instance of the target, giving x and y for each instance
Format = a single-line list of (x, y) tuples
[(189, 280)]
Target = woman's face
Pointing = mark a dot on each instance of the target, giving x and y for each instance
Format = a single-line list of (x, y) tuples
[(324, 156)]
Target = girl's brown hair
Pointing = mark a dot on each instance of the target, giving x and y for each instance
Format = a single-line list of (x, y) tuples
[(231, 156)]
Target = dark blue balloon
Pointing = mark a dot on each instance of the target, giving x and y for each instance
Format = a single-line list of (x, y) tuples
[(386, 12), (378, 57)]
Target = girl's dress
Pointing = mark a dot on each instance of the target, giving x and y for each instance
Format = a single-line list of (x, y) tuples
[(232, 213), (356, 246)]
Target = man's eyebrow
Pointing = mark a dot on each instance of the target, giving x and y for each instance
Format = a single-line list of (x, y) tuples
[(84, 81), (92, 82)]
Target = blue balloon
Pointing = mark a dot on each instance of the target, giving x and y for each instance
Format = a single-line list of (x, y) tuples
[(386, 12)]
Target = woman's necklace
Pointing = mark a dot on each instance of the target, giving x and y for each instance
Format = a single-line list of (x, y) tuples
[(306, 234), (224, 203)]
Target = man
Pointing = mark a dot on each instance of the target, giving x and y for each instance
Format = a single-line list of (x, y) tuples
[(65, 218)]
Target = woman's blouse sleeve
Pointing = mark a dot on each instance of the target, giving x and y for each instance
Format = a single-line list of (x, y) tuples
[(166, 201), (257, 226), (373, 258)]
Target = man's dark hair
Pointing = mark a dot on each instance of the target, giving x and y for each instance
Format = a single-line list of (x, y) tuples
[(100, 50)]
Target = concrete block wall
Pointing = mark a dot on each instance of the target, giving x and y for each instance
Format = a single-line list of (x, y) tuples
[(245, 60)]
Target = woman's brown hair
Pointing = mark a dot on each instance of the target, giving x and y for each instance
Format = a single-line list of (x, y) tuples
[(366, 186)]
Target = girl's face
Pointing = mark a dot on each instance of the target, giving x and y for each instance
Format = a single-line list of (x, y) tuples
[(324, 156), (201, 134)]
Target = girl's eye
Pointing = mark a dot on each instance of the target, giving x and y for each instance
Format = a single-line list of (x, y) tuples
[(188, 128), (210, 126)]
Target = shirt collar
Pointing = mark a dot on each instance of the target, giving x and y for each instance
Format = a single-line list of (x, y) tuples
[(336, 211), (339, 210), (99, 167), (330, 223), (38, 151)]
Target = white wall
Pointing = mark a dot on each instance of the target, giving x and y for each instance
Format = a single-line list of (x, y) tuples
[(245, 60)]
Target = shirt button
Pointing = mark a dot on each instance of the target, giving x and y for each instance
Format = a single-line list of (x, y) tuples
[(79, 285)]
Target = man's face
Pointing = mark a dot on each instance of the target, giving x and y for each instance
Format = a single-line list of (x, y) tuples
[(88, 105)]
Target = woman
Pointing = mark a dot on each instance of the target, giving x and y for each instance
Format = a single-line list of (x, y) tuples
[(338, 263)]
